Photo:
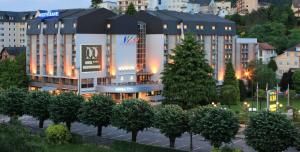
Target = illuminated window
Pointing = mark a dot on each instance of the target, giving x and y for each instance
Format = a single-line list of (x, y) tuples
[(213, 27), (165, 26), (226, 28), (201, 27), (39, 26), (55, 26), (62, 25), (185, 26), (28, 26), (197, 27), (45, 26), (108, 26), (74, 25), (229, 28), (178, 26)]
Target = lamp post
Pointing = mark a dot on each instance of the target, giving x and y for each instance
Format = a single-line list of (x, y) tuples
[(248, 75)]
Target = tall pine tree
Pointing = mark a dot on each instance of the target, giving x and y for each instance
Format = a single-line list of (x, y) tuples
[(230, 79), (130, 10), (188, 80)]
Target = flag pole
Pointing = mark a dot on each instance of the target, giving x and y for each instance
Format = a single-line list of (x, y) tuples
[(257, 96), (268, 106), (288, 104), (277, 103)]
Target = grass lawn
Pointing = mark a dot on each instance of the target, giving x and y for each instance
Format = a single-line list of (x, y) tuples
[(117, 146)]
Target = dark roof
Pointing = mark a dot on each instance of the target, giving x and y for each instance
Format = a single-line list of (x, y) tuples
[(296, 3), (156, 19), (119, 22), (86, 20), (293, 49), (201, 2), (8, 16), (15, 51)]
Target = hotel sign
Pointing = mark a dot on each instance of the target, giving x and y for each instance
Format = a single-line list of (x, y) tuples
[(128, 40), (48, 14), (91, 58)]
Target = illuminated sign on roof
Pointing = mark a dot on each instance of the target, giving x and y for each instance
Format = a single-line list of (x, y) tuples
[(48, 14)]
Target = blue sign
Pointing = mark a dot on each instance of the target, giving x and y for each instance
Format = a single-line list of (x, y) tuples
[(130, 39), (49, 14)]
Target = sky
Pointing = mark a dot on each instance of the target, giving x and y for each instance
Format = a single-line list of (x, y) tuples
[(27, 5)]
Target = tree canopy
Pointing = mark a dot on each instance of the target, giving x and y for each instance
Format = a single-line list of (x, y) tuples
[(95, 3), (264, 75), (187, 78), (296, 81), (12, 101), (130, 9)]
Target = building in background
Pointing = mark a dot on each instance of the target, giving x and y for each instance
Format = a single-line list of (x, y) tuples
[(246, 49), (110, 5), (296, 7), (13, 28), (246, 6), (190, 6), (266, 53), (139, 4), (290, 59), (11, 52), (97, 51)]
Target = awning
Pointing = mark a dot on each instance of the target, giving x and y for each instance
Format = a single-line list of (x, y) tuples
[(48, 88), (129, 88)]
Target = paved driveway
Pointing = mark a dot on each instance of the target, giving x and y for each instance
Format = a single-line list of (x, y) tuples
[(150, 136)]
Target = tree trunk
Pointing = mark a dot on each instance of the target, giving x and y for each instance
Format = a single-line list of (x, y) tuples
[(133, 136), (68, 125), (99, 131), (172, 142), (191, 141), (41, 123)]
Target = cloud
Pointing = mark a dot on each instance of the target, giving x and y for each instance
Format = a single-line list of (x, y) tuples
[(26, 5)]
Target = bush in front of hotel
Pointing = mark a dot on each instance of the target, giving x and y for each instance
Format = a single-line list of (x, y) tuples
[(133, 115), (37, 104), (214, 124), (12, 101), (97, 111), (172, 122), (268, 131), (58, 134), (65, 108)]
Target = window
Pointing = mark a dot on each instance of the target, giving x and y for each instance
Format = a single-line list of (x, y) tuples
[(55, 26), (74, 25), (62, 25), (185, 26), (178, 26), (108, 26), (87, 83), (39, 26), (213, 27), (201, 27), (45, 26), (197, 27), (165, 26)]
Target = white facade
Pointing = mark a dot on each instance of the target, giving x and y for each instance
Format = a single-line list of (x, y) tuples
[(174, 5), (110, 5), (12, 34)]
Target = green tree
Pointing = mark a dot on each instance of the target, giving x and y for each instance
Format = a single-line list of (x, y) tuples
[(12, 101), (296, 80), (172, 122), (97, 111), (270, 132), (229, 95), (243, 90), (133, 116), (187, 78), (95, 3), (272, 65), (214, 124), (65, 108), (230, 79), (37, 105), (264, 75), (12, 73), (131, 10)]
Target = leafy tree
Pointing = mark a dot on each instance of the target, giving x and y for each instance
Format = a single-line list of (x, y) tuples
[(95, 3), (97, 111), (133, 116), (269, 132), (223, 125), (287, 80), (172, 122), (229, 95), (272, 65), (12, 101), (12, 73), (296, 81), (264, 75), (37, 105), (65, 107), (187, 78), (230, 79), (131, 10)]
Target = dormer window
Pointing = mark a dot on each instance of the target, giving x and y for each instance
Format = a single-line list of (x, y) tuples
[(62, 25), (197, 27), (185, 26), (178, 26), (108, 26), (39, 26), (226, 28), (45, 26), (213, 27), (74, 25), (55, 26), (229, 28), (28, 27), (165, 26)]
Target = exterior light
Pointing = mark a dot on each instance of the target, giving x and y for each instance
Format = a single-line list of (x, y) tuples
[(165, 26), (108, 26), (280, 105)]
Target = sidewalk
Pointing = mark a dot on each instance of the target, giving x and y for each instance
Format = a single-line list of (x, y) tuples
[(150, 136)]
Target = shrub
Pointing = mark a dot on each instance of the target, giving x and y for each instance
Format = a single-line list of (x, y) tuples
[(15, 138), (226, 149), (270, 132), (58, 134), (223, 125)]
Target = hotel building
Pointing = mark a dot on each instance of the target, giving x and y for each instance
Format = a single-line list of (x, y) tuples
[(13, 28), (96, 51), (244, 7)]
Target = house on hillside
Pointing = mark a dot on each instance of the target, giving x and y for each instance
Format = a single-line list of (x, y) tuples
[(266, 52), (11, 52), (296, 7)]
